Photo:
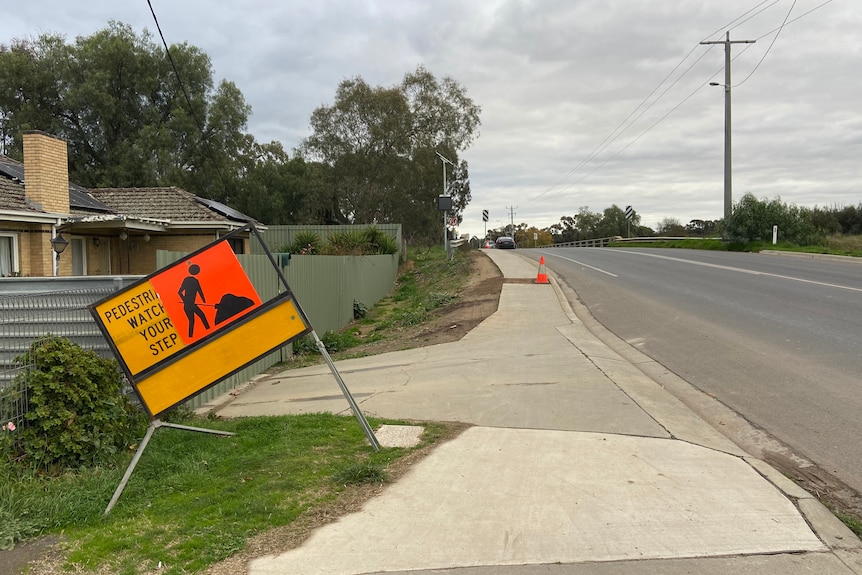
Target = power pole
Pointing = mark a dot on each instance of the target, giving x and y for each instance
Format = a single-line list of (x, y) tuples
[(512, 220), (728, 201)]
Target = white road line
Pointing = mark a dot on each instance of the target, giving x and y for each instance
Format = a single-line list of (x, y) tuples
[(741, 270), (583, 264)]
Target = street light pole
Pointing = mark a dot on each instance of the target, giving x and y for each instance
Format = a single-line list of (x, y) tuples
[(444, 160), (728, 182)]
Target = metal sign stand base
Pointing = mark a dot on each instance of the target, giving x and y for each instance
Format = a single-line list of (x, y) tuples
[(154, 425)]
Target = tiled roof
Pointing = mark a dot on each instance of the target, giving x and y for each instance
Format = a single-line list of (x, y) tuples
[(171, 204), (12, 197), (163, 204), (12, 191), (12, 187)]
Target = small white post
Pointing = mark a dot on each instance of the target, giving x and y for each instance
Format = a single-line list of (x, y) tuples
[(774, 235)]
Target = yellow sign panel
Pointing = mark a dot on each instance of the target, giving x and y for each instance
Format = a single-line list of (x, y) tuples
[(139, 326), (263, 332)]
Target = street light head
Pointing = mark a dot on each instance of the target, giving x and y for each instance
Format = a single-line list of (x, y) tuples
[(59, 243), (444, 158), (714, 84)]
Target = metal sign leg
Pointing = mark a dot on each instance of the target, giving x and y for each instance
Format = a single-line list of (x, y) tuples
[(154, 425), (369, 433)]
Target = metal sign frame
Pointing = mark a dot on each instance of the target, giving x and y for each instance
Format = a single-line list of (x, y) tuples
[(184, 362), (203, 361)]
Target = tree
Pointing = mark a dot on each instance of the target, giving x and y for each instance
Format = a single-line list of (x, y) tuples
[(380, 145), (753, 219), (700, 227), (132, 118), (670, 227), (524, 236), (273, 188)]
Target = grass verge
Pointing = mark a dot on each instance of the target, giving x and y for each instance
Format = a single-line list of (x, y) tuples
[(196, 499), (427, 281)]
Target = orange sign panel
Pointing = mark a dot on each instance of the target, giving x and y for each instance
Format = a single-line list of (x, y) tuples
[(206, 292), (192, 324), (186, 327), (153, 320)]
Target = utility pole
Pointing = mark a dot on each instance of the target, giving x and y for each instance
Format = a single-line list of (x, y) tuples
[(728, 201), (512, 221)]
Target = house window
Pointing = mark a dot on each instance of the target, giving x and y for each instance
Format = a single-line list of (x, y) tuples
[(8, 255), (79, 257), (237, 245)]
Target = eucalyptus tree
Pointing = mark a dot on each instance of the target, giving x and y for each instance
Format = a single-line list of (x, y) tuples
[(132, 115), (384, 151)]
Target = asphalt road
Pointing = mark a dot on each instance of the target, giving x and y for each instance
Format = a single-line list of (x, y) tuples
[(774, 337)]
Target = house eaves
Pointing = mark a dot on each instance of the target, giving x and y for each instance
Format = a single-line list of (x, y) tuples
[(119, 221), (213, 225), (32, 217)]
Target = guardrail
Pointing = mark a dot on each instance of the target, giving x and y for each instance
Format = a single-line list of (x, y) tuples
[(457, 243), (605, 242), (593, 243)]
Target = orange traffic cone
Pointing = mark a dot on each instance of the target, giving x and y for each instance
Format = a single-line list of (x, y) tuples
[(542, 277)]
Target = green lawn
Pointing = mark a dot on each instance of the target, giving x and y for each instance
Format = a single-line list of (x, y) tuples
[(196, 498)]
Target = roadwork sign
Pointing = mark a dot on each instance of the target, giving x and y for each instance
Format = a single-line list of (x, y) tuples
[(188, 326)]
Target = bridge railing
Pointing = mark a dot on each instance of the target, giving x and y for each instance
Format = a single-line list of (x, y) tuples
[(605, 242)]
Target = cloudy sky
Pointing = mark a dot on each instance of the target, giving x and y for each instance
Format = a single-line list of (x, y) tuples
[(584, 102)]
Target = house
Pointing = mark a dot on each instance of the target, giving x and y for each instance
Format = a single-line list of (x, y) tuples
[(52, 227)]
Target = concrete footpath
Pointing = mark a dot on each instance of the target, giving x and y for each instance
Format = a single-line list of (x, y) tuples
[(576, 463)]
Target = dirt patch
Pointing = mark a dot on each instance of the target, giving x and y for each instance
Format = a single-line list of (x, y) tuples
[(478, 300), (14, 561)]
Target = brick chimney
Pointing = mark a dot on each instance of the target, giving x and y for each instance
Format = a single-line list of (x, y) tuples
[(46, 172)]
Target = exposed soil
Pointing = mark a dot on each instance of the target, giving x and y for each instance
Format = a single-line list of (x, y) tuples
[(478, 300)]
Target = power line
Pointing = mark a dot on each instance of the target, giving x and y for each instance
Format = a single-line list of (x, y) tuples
[(194, 116), (617, 133), (769, 47), (176, 71)]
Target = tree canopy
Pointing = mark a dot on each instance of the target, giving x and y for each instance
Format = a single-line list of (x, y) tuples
[(587, 225), (132, 117), (135, 115), (381, 150)]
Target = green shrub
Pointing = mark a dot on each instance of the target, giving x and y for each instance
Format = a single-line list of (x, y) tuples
[(370, 241), (334, 341), (752, 221), (305, 345), (379, 243), (305, 243), (346, 243), (77, 414), (360, 310)]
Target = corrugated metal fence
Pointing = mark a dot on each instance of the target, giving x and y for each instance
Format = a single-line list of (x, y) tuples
[(33, 307)]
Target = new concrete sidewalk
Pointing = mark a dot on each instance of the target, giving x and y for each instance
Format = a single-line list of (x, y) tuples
[(577, 463)]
